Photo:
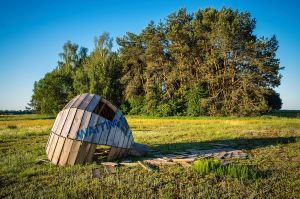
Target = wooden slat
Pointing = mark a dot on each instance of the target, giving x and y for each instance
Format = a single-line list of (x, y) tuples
[(93, 103), (90, 155), (86, 101), (112, 153), (109, 104), (76, 124), (74, 152), (125, 142), (49, 142), (58, 149), (93, 125), (111, 136), (123, 153), (56, 122), (84, 122), (130, 142), (62, 121), (71, 102), (84, 148), (97, 136), (79, 100), (65, 152), (67, 126), (121, 139), (52, 147), (104, 135)]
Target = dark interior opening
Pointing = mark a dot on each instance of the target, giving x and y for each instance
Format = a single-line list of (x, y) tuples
[(105, 111)]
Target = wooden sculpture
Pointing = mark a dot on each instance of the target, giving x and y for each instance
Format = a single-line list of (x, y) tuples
[(86, 121)]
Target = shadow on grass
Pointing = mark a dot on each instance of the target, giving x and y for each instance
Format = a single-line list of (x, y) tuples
[(242, 143)]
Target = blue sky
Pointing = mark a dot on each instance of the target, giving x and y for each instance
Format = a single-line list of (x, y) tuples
[(32, 34)]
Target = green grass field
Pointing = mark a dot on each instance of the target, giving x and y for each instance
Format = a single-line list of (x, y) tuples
[(272, 142)]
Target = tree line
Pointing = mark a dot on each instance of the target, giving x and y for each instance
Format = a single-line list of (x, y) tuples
[(205, 63)]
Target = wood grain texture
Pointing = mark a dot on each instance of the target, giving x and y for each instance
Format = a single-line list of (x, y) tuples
[(96, 99), (67, 126), (56, 122), (82, 153), (97, 136), (58, 149), (49, 142), (111, 136), (90, 155), (76, 124), (65, 152), (52, 147), (104, 134), (79, 100), (86, 101), (84, 122), (112, 153), (93, 127), (62, 121), (74, 152), (71, 102)]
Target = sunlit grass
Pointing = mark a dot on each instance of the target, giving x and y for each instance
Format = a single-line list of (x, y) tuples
[(271, 142)]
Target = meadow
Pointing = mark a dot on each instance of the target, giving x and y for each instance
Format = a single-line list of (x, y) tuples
[(272, 142)]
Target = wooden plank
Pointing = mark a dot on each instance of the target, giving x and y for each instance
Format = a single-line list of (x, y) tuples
[(111, 136), (86, 101), (90, 155), (58, 149), (92, 127), (112, 153), (122, 153), (84, 148), (67, 126), (76, 124), (74, 152), (97, 136), (145, 166), (65, 152), (84, 124), (56, 122), (79, 100), (62, 121), (52, 147), (49, 142), (125, 142), (110, 105), (130, 141), (71, 102), (104, 134), (93, 103), (121, 139)]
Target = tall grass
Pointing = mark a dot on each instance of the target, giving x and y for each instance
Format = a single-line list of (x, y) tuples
[(206, 166)]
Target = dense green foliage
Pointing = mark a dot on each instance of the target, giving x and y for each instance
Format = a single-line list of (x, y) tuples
[(205, 63)]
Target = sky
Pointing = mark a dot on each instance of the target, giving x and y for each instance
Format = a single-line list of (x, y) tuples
[(32, 34)]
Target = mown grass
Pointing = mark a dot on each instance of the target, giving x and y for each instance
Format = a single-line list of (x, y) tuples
[(272, 142)]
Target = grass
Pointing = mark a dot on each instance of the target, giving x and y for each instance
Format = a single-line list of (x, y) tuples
[(273, 144), (207, 166)]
